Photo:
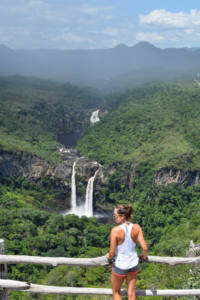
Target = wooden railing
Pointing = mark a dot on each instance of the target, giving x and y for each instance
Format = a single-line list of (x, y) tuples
[(6, 284)]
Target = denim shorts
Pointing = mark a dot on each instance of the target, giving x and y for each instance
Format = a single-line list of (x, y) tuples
[(120, 272)]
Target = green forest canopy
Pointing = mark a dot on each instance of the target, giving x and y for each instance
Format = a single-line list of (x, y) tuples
[(159, 123), (33, 113)]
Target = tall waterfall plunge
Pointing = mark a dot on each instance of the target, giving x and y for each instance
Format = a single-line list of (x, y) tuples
[(95, 117), (73, 189), (85, 209), (89, 197)]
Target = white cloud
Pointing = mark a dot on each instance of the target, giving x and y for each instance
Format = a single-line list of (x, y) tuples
[(70, 37), (37, 5), (171, 28), (108, 17), (188, 31), (93, 11), (174, 39), (172, 19), (149, 36), (45, 22), (114, 31), (23, 7), (69, 24)]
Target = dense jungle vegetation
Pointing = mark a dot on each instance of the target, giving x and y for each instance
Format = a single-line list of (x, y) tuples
[(159, 123), (33, 112), (146, 129)]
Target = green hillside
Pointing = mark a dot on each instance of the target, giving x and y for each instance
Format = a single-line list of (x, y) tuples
[(153, 128), (160, 123), (33, 112)]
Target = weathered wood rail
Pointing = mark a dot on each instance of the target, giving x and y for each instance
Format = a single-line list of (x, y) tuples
[(86, 262), (89, 262), (46, 289)]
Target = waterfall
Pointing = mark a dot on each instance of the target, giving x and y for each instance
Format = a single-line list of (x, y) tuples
[(89, 197), (73, 189), (95, 117), (86, 208)]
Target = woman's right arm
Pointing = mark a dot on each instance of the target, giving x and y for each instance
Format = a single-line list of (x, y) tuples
[(142, 243), (113, 243)]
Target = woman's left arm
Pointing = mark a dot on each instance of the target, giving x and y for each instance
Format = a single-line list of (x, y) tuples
[(113, 244)]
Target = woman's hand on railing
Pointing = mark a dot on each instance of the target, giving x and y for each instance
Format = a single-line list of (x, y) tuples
[(110, 260), (142, 259)]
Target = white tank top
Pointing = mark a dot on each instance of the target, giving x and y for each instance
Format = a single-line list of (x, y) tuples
[(125, 255)]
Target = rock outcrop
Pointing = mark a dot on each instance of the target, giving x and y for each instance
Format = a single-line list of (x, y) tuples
[(23, 165), (168, 175), (56, 177)]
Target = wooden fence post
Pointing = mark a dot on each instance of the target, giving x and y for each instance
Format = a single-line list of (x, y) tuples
[(3, 272), (194, 250)]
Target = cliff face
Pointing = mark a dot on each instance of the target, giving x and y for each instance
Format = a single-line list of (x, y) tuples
[(167, 175), (57, 177), (24, 165)]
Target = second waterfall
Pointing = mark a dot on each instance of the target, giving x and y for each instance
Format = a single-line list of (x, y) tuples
[(89, 196), (85, 209)]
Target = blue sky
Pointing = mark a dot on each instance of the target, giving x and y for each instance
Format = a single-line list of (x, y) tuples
[(94, 24)]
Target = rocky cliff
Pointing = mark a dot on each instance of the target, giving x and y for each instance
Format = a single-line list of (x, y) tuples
[(167, 175), (55, 177)]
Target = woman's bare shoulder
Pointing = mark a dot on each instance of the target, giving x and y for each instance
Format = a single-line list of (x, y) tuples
[(137, 227)]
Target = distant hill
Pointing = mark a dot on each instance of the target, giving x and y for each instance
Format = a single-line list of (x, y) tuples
[(108, 69)]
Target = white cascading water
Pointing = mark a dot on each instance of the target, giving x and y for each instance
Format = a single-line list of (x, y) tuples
[(95, 117), (89, 196), (73, 192), (85, 209), (73, 189)]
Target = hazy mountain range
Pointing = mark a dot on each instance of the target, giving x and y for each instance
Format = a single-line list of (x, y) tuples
[(108, 69)]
